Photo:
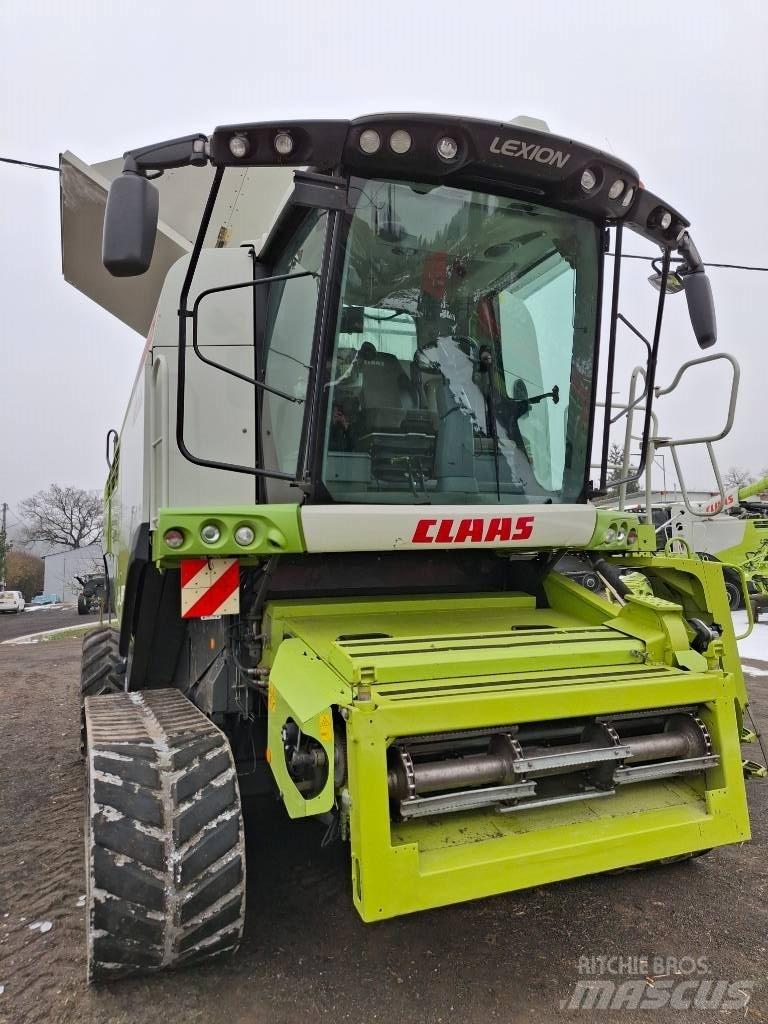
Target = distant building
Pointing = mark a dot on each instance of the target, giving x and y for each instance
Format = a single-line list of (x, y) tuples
[(61, 567)]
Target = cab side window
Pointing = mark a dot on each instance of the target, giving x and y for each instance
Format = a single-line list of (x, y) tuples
[(288, 345)]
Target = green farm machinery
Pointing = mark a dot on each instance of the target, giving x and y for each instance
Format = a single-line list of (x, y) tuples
[(357, 450)]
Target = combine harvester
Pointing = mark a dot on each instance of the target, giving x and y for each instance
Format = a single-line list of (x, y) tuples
[(730, 532), (357, 446), (727, 529)]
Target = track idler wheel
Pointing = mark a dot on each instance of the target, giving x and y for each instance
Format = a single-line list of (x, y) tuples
[(165, 859)]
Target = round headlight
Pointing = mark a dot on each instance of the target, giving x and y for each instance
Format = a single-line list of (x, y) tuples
[(283, 144), (620, 536), (616, 189), (370, 141), (665, 220), (610, 535), (447, 148), (629, 195), (588, 180), (244, 536), (210, 533), (400, 141), (238, 146), (173, 538)]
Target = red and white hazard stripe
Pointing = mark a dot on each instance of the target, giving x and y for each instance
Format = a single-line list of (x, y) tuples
[(209, 586)]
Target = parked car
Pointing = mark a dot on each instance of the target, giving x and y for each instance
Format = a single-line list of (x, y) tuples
[(12, 601), (40, 599)]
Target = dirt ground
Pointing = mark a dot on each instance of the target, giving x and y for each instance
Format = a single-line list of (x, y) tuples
[(306, 955)]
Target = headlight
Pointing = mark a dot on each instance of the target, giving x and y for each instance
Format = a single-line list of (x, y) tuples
[(283, 144), (400, 141), (210, 533), (244, 536), (173, 538), (238, 146), (628, 197), (370, 141), (447, 148)]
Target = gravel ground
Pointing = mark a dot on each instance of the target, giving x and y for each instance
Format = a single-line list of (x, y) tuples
[(306, 955)]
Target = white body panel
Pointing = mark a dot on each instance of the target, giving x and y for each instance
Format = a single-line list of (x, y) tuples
[(414, 527), (220, 410), (710, 535), (245, 209)]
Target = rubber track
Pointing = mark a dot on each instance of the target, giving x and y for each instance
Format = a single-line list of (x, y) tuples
[(165, 849), (101, 665)]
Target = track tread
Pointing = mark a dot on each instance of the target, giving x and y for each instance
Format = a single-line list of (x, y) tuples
[(164, 844), (101, 668)]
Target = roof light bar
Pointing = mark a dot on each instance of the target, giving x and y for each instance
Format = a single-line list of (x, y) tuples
[(433, 147)]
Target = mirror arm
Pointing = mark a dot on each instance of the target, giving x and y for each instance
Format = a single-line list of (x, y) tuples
[(693, 261), (191, 150)]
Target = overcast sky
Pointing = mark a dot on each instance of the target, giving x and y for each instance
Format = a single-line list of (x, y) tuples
[(679, 91)]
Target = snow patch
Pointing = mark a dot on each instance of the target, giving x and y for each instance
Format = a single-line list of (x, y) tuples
[(755, 646)]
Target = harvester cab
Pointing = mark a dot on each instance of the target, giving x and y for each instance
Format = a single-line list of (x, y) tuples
[(355, 452)]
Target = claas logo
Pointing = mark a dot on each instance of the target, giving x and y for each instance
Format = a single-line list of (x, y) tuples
[(476, 531)]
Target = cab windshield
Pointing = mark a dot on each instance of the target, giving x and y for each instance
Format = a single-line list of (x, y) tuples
[(463, 359)]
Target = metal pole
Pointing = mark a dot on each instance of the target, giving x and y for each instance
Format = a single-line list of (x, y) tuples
[(2, 547)]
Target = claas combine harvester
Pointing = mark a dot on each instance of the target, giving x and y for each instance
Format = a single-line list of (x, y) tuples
[(357, 446)]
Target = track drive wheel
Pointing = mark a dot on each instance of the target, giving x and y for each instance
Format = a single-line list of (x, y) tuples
[(164, 846), (102, 670)]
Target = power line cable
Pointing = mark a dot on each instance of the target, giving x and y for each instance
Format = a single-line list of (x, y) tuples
[(679, 259), (28, 163), (625, 255)]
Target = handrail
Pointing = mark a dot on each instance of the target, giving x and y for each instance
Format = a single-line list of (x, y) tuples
[(706, 440)]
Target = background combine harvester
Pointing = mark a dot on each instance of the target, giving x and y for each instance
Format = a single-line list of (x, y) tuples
[(357, 447), (729, 528), (734, 532)]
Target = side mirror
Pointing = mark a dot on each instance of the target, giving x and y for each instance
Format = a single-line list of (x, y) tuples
[(130, 225), (701, 308)]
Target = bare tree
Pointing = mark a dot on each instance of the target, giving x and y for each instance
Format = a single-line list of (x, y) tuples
[(63, 516), (616, 467), (737, 477)]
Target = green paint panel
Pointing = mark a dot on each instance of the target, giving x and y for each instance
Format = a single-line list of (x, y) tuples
[(276, 528), (305, 682), (400, 667), (620, 524)]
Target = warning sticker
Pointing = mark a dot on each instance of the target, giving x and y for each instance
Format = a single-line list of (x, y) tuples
[(209, 587)]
